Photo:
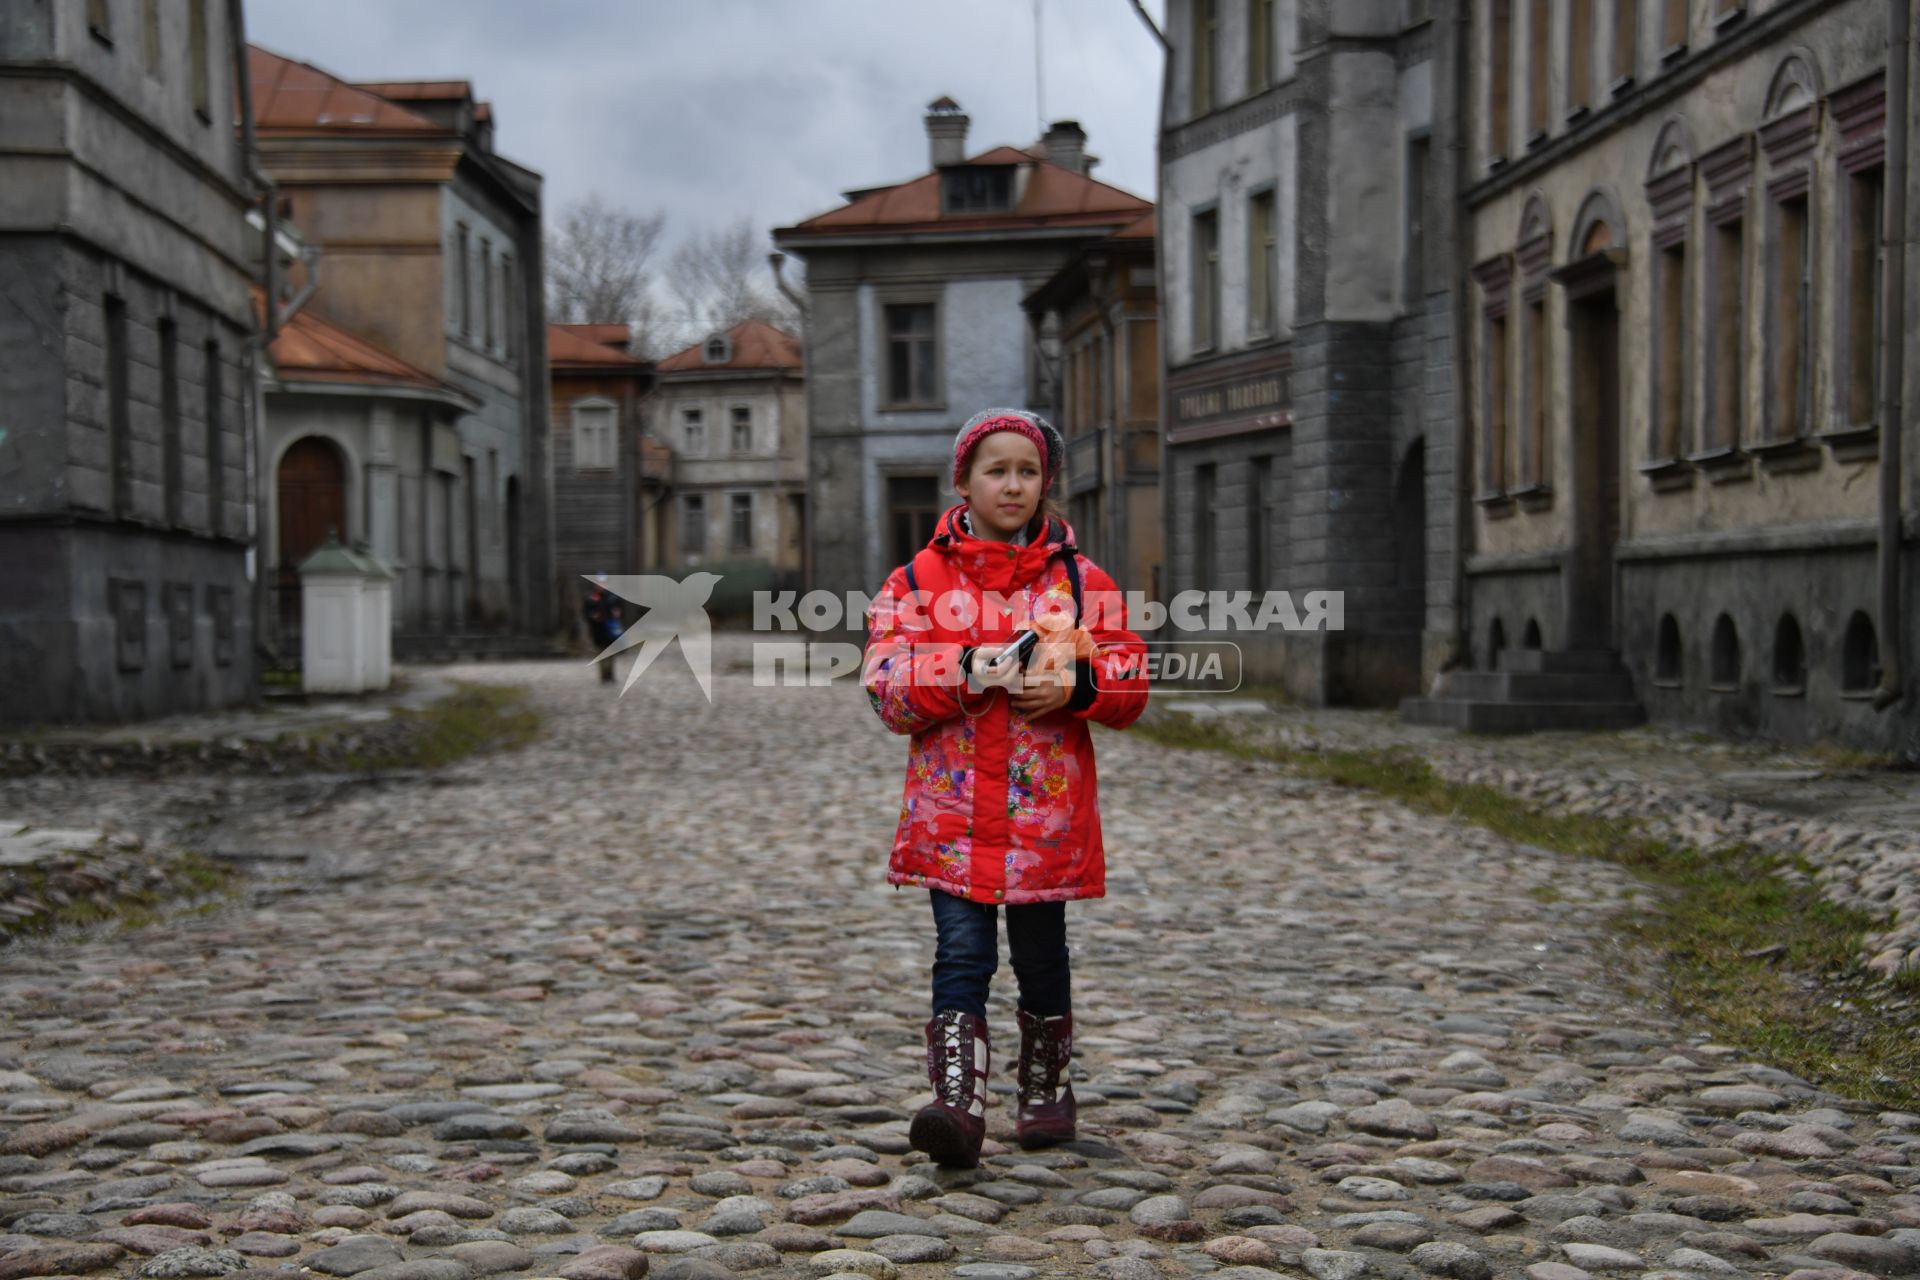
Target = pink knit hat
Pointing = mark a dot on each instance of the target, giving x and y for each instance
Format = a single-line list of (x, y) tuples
[(1031, 425)]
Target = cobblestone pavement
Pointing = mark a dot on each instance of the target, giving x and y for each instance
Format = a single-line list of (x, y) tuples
[(1858, 828), (638, 993)]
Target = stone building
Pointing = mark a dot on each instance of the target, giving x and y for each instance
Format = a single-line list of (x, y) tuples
[(1305, 194), (1674, 227), (1103, 308), (609, 477), (915, 323), (329, 394), (430, 250), (733, 408), (125, 322)]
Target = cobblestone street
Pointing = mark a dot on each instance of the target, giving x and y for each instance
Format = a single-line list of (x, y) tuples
[(640, 992)]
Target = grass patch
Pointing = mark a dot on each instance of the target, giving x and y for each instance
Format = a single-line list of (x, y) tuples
[(1749, 946), (201, 882), (474, 719)]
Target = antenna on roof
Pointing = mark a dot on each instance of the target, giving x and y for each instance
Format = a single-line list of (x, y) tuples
[(1039, 80)]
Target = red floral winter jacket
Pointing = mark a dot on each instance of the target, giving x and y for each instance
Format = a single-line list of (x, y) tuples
[(998, 808)]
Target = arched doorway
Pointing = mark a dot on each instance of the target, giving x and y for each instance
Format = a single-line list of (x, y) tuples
[(311, 497), (1591, 585)]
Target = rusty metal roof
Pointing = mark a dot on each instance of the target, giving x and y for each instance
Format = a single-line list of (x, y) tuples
[(588, 346), (309, 348), (292, 97), (754, 344), (417, 90), (1054, 197)]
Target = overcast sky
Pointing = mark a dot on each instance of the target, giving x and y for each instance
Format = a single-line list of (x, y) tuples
[(713, 109)]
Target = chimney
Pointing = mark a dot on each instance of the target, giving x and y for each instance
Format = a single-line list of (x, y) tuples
[(1066, 144), (946, 132)]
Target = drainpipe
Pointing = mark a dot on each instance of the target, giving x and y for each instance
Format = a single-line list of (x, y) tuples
[(1460, 650), (1893, 333), (776, 260), (260, 187), (1160, 299), (1114, 462), (250, 158)]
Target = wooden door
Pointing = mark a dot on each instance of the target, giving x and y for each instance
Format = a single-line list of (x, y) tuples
[(312, 494)]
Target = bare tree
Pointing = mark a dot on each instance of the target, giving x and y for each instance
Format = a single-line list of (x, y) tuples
[(599, 269), (719, 277)]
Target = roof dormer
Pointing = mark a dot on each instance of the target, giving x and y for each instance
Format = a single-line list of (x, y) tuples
[(977, 188)]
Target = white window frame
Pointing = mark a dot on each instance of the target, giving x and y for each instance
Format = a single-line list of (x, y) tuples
[(596, 435), (733, 514)]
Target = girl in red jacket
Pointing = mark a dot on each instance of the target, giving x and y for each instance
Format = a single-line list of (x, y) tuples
[(1001, 802)]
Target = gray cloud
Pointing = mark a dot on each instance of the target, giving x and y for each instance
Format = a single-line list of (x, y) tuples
[(716, 109)]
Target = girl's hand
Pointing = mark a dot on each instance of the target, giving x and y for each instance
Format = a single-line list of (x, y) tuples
[(996, 666), (1042, 692)]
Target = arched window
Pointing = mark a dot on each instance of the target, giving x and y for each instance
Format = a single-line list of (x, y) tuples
[(1726, 655), (1789, 657), (1496, 644), (1530, 637), (1788, 139), (1668, 668), (719, 349), (1670, 197), (1859, 656), (1536, 256)]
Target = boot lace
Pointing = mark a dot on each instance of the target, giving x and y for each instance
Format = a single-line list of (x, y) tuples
[(956, 1074), (1039, 1070)]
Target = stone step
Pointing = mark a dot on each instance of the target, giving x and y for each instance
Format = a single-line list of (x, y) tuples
[(1571, 661), (1535, 686), (446, 648), (1489, 716)]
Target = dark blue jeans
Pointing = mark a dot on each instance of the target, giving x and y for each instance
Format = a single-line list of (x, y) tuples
[(968, 951)]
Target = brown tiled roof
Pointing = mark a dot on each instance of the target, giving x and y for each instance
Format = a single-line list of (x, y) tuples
[(310, 349), (612, 335), (417, 90), (1141, 228), (295, 97), (756, 345), (1054, 197), (568, 347)]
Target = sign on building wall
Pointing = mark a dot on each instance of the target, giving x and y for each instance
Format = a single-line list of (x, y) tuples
[(1222, 401)]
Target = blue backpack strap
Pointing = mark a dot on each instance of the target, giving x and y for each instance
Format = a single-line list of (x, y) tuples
[(912, 584), (1069, 555)]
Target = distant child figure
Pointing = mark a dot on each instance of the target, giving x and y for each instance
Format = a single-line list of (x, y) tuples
[(602, 612), (1001, 804)]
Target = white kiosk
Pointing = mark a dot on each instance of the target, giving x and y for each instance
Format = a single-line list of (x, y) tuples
[(346, 607)]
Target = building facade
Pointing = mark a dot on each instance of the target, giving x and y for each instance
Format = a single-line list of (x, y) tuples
[(1103, 311), (733, 409), (328, 395), (429, 248), (915, 322), (607, 481), (125, 361), (1675, 230), (1308, 327)]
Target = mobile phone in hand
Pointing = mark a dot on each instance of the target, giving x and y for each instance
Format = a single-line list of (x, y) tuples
[(1023, 647)]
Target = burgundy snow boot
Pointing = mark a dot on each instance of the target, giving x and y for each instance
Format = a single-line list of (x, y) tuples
[(952, 1126), (1046, 1107)]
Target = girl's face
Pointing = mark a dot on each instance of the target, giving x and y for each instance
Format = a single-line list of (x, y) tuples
[(1002, 487)]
